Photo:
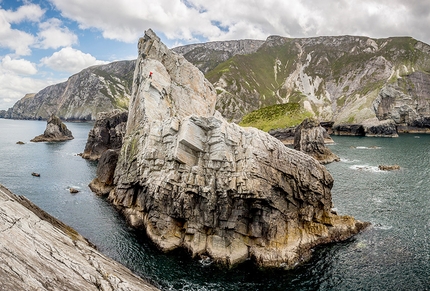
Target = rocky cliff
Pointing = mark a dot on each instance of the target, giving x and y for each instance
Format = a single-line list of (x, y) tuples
[(107, 133), (348, 80), (192, 180), (96, 89), (206, 56), (38, 252)]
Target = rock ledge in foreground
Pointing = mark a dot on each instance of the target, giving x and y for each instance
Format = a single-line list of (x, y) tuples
[(39, 252)]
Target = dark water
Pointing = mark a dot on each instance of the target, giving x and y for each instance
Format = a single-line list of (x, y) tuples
[(392, 255)]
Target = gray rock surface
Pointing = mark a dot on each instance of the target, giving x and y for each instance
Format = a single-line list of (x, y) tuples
[(192, 180), (55, 131), (107, 133), (104, 181), (309, 138), (38, 252)]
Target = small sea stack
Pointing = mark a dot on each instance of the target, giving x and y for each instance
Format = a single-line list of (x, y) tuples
[(310, 138), (55, 131)]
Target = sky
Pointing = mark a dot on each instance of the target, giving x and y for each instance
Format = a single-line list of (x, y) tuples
[(43, 42)]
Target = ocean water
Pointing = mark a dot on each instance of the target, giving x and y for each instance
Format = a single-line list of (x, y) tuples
[(393, 254)]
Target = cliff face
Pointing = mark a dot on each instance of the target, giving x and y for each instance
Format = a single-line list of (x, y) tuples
[(38, 252), (93, 90), (345, 79), (193, 180), (206, 56)]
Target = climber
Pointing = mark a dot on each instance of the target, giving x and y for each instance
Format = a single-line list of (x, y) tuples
[(150, 75)]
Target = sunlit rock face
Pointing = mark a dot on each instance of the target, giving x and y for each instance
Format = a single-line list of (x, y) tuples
[(192, 180)]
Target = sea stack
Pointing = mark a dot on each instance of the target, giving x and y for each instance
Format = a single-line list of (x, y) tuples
[(107, 133), (310, 138), (192, 180), (55, 130)]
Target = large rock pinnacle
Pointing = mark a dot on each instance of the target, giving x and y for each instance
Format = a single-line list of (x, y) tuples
[(190, 179)]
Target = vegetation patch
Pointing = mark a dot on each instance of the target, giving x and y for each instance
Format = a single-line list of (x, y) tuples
[(276, 116)]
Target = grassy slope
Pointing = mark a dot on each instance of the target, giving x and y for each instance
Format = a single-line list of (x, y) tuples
[(254, 74)]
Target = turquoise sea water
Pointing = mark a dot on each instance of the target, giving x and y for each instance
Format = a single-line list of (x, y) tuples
[(394, 254)]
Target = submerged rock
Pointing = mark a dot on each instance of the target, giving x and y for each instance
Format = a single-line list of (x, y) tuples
[(39, 252), (55, 130), (389, 167), (310, 138), (190, 179)]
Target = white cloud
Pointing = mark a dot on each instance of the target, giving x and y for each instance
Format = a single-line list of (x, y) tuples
[(18, 66), (53, 35), (18, 41), (14, 87), (126, 20), (188, 20), (70, 60), (29, 12)]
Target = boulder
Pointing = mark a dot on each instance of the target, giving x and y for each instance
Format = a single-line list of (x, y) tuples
[(310, 138), (192, 180), (73, 190), (389, 167), (39, 252), (107, 133), (55, 130)]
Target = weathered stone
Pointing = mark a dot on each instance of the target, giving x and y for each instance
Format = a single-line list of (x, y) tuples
[(73, 190), (107, 133), (38, 252), (309, 138), (103, 183), (213, 187), (389, 167), (55, 130)]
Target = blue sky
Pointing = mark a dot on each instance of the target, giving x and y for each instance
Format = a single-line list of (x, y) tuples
[(43, 42)]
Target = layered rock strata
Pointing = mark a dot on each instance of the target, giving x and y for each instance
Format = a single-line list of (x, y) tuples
[(107, 133), (190, 179), (55, 130), (38, 252), (309, 138)]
